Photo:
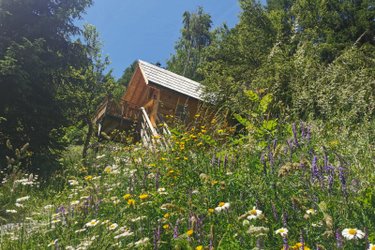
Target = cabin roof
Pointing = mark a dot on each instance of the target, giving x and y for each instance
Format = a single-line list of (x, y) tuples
[(170, 80)]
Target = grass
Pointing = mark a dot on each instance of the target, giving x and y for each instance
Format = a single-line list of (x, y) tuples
[(201, 194)]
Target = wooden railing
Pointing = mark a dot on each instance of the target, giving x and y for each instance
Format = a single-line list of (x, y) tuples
[(150, 136), (123, 109)]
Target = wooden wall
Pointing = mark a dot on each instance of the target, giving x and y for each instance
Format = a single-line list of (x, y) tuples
[(168, 102)]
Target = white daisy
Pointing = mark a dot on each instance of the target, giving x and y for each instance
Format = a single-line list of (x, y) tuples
[(352, 233), (282, 231), (311, 211), (124, 234), (254, 213), (222, 207), (11, 211), (23, 199), (92, 223), (113, 226)]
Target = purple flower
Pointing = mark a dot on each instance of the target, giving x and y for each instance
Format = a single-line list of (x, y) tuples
[(294, 130), (286, 245), (274, 212), (285, 219), (338, 239), (314, 169), (342, 179), (175, 230)]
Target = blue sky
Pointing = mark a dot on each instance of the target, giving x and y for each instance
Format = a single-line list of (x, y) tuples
[(148, 29)]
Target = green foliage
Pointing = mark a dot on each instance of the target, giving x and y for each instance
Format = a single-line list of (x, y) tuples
[(195, 37), (127, 75), (35, 52)]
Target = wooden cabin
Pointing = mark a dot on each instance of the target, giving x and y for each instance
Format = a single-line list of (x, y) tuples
[(152, 94)]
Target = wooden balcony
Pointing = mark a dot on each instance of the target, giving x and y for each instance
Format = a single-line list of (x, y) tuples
[(122, 110)]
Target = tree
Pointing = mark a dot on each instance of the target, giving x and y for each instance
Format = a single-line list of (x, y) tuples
[(195, 36), (36, 50), (86, 87), (127, 75)]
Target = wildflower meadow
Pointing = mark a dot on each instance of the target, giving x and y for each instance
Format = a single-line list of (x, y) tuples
[(211, 189)]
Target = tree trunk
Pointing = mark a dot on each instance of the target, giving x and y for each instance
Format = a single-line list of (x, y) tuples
[(88, 137)]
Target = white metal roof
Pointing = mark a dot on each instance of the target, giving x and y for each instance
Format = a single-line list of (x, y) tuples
[(171, 80)]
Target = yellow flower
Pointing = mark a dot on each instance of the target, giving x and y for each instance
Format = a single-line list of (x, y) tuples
[(190, 232), (203, 131), (221, 204), (185, 158), (108, 169), (166, 226), (152, 165), (197, 115), (163, 159), (211, 210), (131, 202), (298, 246), (220, 131), (143, 196), (166, 216), (88, 178), (127, 196), (200, 144), (200, 247)]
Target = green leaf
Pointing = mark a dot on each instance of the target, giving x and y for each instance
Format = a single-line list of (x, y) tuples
[(264, 102)]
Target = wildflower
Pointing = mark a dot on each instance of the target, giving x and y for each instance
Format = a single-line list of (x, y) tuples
[(166, 226), (113, 226), (88, 177), (138, 218), (222, 206), (73, 203), (80, 230), (298, 246), (52, 243), (352, 233), (257, 230), (19, 205), (131, 202), (104, 222), (190, 232), (282, 231), (371, 247), (127, 196), (167, 215), (211, 210), (100, 156), (162, 191), (92, 223), (152, 165), (124, 234), (73, 182), (311, 211), (11, 211), (55, 221), (254, 214), (143, 196), (23, 199), (142, 241), (200, 247), (108, 169)]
